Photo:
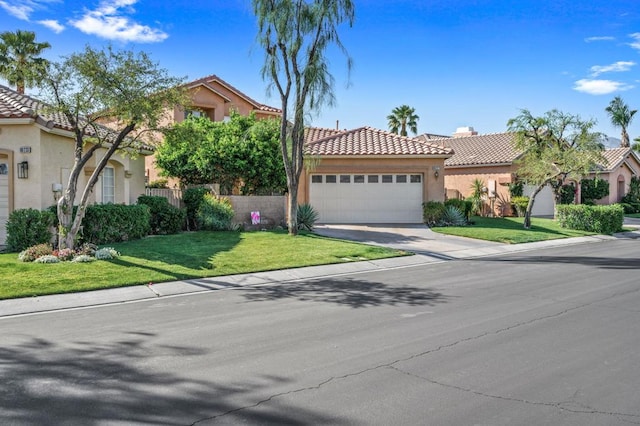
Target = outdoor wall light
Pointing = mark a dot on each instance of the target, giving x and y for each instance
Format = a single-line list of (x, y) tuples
[(436, 171), (23, 170)]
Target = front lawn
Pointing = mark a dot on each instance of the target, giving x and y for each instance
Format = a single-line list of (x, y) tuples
[(509, 230), (636, 215), (181, 256)]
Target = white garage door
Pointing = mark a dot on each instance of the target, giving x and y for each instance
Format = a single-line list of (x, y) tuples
[(370, 198), (4, 200), (543, 205)]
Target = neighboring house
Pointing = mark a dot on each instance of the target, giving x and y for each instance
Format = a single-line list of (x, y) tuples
[(367, 175), (621, 164), (36, 157), (214, 98), (489, 158)]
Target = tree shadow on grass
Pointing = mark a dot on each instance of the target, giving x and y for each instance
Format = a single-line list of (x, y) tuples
[(90, 383), (350, 292)]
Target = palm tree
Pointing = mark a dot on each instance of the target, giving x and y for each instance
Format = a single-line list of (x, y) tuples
[(20, 63), (621, 116), (402, 117)]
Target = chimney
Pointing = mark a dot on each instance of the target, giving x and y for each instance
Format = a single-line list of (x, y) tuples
[(337, 124), (461, 132)]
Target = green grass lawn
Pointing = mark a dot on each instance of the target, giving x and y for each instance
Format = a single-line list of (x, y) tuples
[(510, 230), (181, 256), (636, 215)]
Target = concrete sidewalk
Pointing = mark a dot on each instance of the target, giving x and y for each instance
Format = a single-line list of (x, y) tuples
[(438, 249)]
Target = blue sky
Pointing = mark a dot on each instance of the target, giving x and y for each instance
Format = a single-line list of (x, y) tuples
[(457, 62)]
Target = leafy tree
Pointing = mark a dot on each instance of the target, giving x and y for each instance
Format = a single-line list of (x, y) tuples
[(402, 117), (20, 63), (295, 36), (621, 116), (126, 89), (242, 153), (555, 146), (636, 144)]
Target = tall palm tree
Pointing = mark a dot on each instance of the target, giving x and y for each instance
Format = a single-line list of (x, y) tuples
[(621, 116), (20, 63), (402, 117)]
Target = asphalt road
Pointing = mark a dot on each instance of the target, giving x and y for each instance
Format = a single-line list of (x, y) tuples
[(548, 337)]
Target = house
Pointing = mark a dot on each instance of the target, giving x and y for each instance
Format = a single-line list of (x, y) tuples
[(214, 98), (366, 175), (491, 159), (620, 165), (36, 157)]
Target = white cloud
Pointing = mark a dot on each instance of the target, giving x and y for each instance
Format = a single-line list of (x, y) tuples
[(53, 25), (599, 38), (636, 43), (109, 21), (20, 10), (600, 87), (619, 66)]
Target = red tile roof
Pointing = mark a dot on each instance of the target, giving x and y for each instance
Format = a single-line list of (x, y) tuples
[(15, 105), (213, 77), (613, 157), (368, 141), (478, 150)]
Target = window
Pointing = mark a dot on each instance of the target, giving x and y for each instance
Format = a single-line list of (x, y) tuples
[(401, 178), (345, 178), (316, 178), (330, 178), (372, 178), (416, 178), (387, 178), (108, 185), (358, 179)]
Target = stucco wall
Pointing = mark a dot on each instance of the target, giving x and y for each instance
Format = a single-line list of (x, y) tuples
[(461, 180), (272, 210), (433, 187), (50, 161)]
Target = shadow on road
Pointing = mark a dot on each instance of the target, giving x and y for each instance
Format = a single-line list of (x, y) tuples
[(347, 291), (125, 382), (599, 262)]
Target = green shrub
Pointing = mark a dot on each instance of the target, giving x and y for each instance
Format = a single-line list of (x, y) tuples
[(165, 218), (464, 206), (214, 214), (599, 219), (432, 212), (633, 196), (567, 194), (160, 183), (28, 227), (192, 198), (516, 189), (520, 205), (593, 189), (307, 216), (32, 253), (109, 223), (631, 208), (106, 253), (452, 216)]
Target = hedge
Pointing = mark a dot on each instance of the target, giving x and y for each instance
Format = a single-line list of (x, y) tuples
[(165, 218), (28, 227), (599, 219)]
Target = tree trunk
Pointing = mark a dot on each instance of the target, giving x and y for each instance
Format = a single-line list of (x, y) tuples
[(292, 209), (624, 141), (532, 199)]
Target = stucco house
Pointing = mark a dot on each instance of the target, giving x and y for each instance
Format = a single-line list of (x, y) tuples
[(492, 159), (214, 98), (36, 157), (620, 165), (367, 175)]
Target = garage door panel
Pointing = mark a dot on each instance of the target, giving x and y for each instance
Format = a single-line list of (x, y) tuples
[(367, 202)]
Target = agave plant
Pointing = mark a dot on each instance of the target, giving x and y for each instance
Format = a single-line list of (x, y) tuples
[(453, 216), (307, 217)]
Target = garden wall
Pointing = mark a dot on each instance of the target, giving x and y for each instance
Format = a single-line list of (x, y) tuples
[(272, 210)]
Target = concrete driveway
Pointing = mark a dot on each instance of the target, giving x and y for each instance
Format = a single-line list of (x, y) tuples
[(416, 238)]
